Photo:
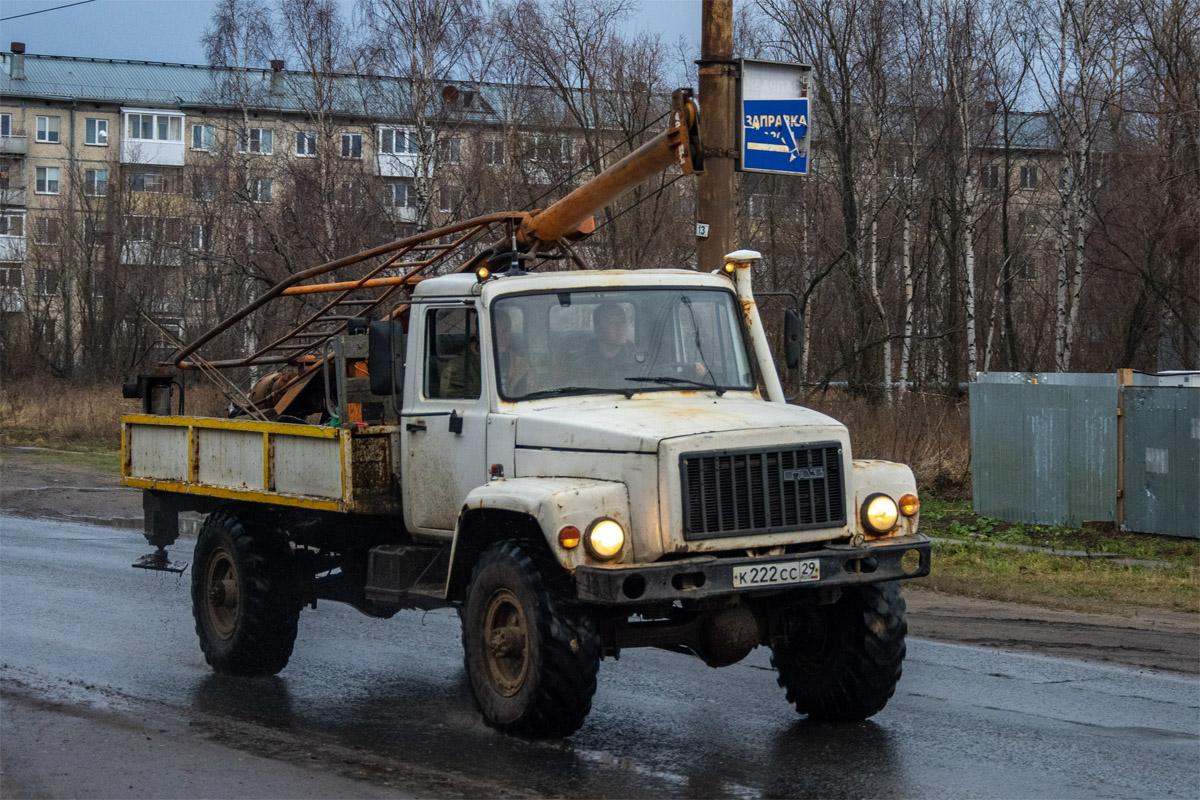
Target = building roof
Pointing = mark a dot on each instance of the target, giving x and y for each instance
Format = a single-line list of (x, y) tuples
[(159, 84)]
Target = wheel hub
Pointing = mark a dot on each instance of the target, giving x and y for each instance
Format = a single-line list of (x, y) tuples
[(506, 642), (221, 580)]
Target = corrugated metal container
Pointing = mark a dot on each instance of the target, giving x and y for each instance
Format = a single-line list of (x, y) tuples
[(1162, 460), (1044, 447)]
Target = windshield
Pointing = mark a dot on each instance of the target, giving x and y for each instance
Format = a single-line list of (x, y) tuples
[(626, 340)]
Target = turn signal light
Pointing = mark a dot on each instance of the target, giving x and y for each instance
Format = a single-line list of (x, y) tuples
[(729, 267), (569, 537), (909, 505), (482, 274)]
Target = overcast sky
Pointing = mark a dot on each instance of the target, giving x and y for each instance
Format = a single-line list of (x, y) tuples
[(170, 30)]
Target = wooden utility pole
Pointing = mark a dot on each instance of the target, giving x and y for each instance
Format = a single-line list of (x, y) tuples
[(718, 90)]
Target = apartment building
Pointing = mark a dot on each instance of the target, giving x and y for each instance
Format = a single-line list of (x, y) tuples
[(133, 190)]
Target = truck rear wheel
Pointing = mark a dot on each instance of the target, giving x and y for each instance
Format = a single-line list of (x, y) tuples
[(842, 662), (245, 613), (531, 654)]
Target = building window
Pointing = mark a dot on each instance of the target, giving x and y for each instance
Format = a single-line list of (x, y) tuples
[(450, 151), (95, 182), (449, 198), (45, 282), (262, 190), (493, 152), (11, 276), (47, 129), (400, 194), (5, 126), (204, 137), (202, 188), (95, 131), (199, 288), (351, 145), (152, 182), (45, 230), (93, 230), (1029, 177), (1031, 222), (306, 143), (12, 224), (200, 238), (47, 180), (149, 229), (396, 141), (989, 176), (154, 127), (256, 140), (553, 149)]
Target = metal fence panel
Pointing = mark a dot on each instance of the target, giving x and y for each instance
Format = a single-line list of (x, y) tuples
[(1162, 460), (1044, 447)]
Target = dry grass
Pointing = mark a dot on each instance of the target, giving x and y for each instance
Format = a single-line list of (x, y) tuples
[(931, 433), (49, 413), (1078, 584)]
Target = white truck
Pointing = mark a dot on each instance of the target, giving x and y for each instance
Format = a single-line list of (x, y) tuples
[(580, 462)]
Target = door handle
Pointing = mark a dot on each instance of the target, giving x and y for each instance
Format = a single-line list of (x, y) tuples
[(413, 427)]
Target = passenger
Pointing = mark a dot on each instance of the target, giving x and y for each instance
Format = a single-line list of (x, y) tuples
[(512, 368)]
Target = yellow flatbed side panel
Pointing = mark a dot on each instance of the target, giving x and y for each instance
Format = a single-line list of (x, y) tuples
[(269, 462)]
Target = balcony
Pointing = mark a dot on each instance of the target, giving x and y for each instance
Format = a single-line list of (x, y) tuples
[(396, 165), (12, 195), (405, 214), (12, 248), (150, 254), (13, 145), (151, 151)]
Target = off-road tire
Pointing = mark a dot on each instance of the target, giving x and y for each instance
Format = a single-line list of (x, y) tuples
[(546, 688), (841, 662), (249, 630)]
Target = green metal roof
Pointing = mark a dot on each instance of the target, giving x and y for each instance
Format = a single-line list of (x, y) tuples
[(147, 83)]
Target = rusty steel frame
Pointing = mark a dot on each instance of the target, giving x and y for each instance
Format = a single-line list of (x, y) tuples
[(309, 340)]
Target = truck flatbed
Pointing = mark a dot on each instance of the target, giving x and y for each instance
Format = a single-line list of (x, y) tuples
[(290, 464)]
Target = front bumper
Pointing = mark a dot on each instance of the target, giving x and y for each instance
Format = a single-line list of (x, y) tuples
[(712, 576)]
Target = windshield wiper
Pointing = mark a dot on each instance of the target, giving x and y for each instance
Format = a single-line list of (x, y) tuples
[(565, 390), (672, 380)]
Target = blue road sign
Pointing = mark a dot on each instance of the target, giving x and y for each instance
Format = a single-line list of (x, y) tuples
[(775, 123), (773, 135)]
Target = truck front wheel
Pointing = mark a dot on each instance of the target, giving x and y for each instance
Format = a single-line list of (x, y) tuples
[(245, 614), (841, 662), (531, 654)]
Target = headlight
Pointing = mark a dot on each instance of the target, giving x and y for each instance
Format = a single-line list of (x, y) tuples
[(605, 538), (879, 513)]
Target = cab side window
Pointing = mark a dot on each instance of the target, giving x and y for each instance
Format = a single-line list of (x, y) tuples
[(452, 360)]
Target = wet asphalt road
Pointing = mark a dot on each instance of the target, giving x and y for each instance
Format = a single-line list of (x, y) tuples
[(77, 625)]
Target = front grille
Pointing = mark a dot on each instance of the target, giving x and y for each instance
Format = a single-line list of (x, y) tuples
[(739, 492)]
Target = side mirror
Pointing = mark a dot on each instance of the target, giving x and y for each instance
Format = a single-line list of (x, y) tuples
[(791, 338), (385, 357)]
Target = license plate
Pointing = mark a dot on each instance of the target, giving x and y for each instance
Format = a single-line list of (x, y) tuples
[(777, 573)]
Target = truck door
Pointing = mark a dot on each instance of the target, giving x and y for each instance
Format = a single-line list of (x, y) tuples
[(444, 425)]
